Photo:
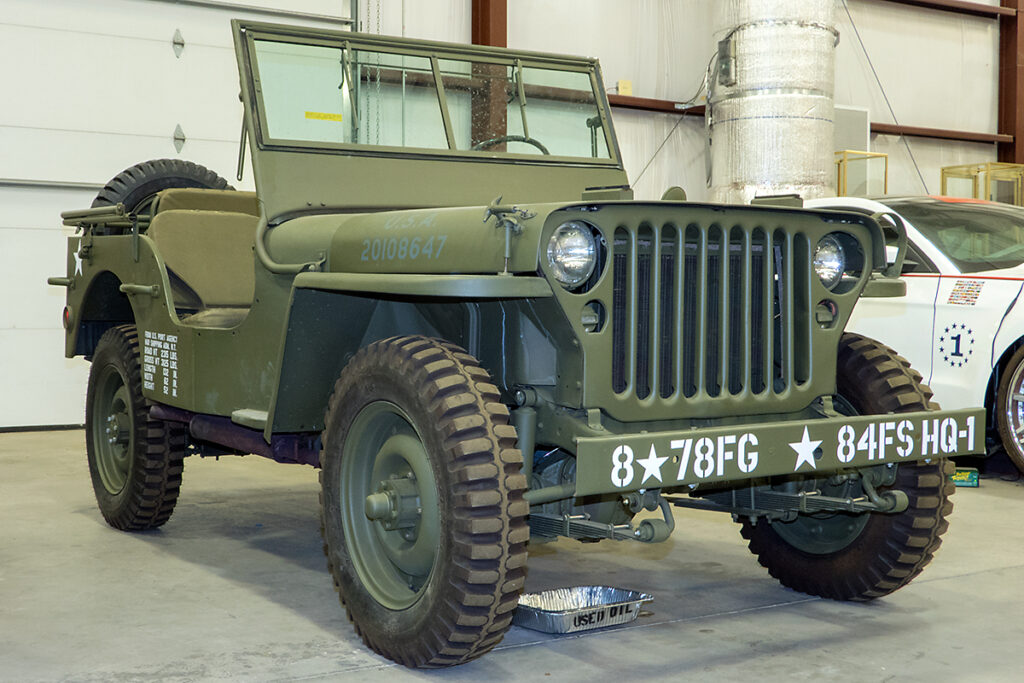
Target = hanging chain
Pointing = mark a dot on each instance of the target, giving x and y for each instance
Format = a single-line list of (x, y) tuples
[(377, 133)]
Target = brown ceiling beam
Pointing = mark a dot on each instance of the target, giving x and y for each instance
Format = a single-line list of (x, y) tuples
[(961, 7), (650, 104), (671, 107), (940, 133), (490, 23)]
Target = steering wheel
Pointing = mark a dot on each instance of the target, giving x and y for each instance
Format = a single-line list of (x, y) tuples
[(487, 144)]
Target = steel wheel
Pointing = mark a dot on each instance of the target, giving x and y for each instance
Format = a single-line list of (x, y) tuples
[(112, 430), (422, 508), (865, 556), (393, 530), (825, 532), (135, 462), (1010, 409)]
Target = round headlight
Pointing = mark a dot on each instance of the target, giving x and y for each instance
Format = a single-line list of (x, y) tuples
[(572, 253), (829, 261)]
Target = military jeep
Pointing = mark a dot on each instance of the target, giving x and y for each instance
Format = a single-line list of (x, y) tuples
[(443, 295)]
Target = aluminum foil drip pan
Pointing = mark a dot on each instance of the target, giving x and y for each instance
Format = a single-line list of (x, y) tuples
[(578, 608)]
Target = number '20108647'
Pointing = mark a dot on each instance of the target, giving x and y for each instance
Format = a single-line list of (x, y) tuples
[(402, 248)]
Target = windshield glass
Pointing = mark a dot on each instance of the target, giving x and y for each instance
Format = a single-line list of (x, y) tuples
[(974, 236), (342, 95)]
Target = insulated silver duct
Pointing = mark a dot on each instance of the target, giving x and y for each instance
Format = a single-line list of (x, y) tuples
[(770, 100)]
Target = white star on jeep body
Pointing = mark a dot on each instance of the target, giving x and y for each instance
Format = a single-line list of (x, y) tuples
[(804, 451), (78, 259), (652, 465)]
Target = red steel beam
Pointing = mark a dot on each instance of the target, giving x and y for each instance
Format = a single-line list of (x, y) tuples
[(490, 22), (650, 104), (1011, 83), (940, 133), (670, 107)]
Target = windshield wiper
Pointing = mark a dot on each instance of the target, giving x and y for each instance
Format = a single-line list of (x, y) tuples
[(517, 79)]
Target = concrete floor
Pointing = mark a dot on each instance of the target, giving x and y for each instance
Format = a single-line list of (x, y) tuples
[(235, 587)]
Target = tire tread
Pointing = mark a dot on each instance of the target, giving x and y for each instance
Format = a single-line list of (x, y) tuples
[(912, 536)]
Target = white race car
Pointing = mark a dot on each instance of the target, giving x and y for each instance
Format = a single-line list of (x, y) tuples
[(961, 324)]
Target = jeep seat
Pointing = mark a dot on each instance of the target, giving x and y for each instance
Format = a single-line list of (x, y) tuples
[(210, 251), (195, 199)]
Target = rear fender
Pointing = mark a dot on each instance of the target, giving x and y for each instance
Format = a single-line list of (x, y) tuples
[(102, 306)]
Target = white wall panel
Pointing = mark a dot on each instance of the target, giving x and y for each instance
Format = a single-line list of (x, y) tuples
[(40, 386), (96, 157), (680, 162), (88, 89), (931, 156), (662, 46), (104, 89), (36, 305), (37, 384), (447, 20), (939, 69)]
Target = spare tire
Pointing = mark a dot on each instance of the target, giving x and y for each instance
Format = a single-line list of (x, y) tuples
[(136, 187)]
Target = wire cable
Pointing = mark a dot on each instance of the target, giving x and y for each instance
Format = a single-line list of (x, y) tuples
[(878, 80), (688, 103), (657, 151)]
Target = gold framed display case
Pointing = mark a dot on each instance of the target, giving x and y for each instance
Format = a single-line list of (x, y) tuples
[(857, 175), (995, 181)]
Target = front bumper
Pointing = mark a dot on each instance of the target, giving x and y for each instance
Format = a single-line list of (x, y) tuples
[(628, 462)]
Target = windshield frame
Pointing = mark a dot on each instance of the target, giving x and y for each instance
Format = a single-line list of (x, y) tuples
[(920, 216), (432, 51)]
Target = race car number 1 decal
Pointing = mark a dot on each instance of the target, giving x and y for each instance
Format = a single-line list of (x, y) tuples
[(956, 344)]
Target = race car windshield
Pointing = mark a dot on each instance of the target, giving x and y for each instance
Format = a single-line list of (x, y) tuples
[(975, 237)]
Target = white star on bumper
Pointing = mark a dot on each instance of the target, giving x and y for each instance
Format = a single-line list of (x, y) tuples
[(804, 451), (652, 465)]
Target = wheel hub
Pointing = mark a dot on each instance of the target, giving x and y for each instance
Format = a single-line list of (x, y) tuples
[(116, 429), (396, 504), (112, 431), (390, 505)]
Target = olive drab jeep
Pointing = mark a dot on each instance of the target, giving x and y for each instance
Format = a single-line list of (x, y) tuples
[(444, 296)]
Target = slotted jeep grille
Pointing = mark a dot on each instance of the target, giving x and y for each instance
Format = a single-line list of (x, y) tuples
[(703, 312)]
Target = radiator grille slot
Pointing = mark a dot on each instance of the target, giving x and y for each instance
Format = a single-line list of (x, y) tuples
[(707, 311)]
